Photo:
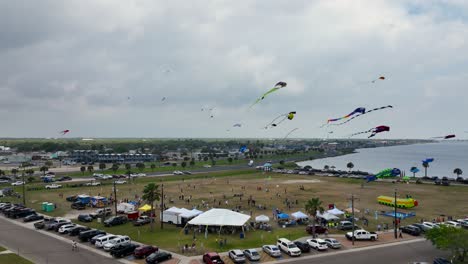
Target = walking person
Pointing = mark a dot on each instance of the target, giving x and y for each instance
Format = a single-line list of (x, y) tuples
[(74, 246), (401, 234)]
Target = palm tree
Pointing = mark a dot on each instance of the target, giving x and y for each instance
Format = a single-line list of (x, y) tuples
[(326, 167), (229, 160), (115, 167), (350, 166), (15, 171), (90, 168), (102, 166), (151, 193), (44, 169), (2, 172), (183, 164), (458, 172), (83, 169), (152, 166), (313, 206), (425, 165), (128, 166), (141, 166), (49, 163)]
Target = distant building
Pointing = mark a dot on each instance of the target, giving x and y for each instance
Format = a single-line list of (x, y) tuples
[(94, 156)]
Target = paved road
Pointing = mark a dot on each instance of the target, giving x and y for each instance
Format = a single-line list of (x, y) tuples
[(403, 253), (42, 249)]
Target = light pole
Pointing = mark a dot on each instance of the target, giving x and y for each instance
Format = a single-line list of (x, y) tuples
[(395, 215), (162, 206), (115, 199)]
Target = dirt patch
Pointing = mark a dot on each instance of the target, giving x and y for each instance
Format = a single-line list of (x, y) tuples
[(300, 181)]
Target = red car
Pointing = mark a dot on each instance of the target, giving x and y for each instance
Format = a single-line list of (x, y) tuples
[(144, 251), (318, 229), (212, 258)]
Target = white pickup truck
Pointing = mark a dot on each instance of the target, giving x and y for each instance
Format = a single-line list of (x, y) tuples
[(362, 234)]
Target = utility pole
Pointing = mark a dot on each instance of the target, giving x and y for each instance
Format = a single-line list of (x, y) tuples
[(24, 190), (395, 215), (115, 199), (162, 206), (352, 219)]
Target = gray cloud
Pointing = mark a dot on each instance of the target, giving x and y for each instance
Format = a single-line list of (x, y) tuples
[(74, 65)]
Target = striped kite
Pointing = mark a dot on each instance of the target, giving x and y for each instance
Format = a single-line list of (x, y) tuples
[(359, 112), (373, 131)]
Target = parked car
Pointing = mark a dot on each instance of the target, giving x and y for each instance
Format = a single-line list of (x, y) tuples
[(85, 218), (115, 220), (22, 213), (445, 181), (53, 186), (318, 229), (120, 182), (64, 178), (142, 220), (85, 236), (17, 183), (101, 212), (236, 256), (452, 224), (144, 251), (441, 261), (42, 224), (272, 250), (288, 247), (187, 172), (123, 250), (304, 247), (411, 229), (158, 257), (422, 228), (93, 183), (103, 240), (78, 206), (212, 258), (77, 230), (332, 243), (96, 237), (362, 234), (33, 217), (252, 254), (347, 225), (119, 241), (317, 243), (178, 173), (66, 228)]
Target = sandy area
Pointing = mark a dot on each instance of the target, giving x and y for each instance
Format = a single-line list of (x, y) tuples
[(300, 181)]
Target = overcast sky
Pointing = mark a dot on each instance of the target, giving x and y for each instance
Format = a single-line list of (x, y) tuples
[(101, 67)]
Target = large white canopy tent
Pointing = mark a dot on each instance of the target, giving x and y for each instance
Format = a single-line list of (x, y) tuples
[(262, 219), (327, 216), (299, 215), (220, 217)]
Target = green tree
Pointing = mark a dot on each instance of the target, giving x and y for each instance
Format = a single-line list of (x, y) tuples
[(128, 166), (186, 158), (313, 206), (140, 166), (115, 167), (350, 166), (90, 168), (43, 169), (30, 179), (192, 163), (183, 164), (452, 239), (83, 169), (425, 165), (174, 164), (458, 172), (102, 166), (151, 194), (281, 162), (153, 166), (29, 172), (229, 160), (49, 163), (326, 167), (15, 171), (205, 158), (2, 172), (213, 162)]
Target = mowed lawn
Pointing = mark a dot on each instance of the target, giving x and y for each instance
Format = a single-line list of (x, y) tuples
[(214, 188), (13, 259)]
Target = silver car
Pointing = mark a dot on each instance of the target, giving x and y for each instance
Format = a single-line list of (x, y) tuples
[(252, 254), (272, 250), (332, 243)]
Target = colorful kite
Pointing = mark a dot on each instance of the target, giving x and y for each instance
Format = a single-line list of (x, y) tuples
[(380, 78), (428, 160), (278, 86), (290, 132), (64, 132), (447, 136), (281, 118), (373, 131), (243, 149), (414, 170), (361, 111)]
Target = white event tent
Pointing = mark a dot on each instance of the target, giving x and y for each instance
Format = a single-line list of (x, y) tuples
[(262, 219), (220, 217), (335, 211), (299, 215), (327, 216)]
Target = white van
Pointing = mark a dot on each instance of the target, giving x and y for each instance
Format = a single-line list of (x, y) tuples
[(103, 240), (288, 247), (116, 242)]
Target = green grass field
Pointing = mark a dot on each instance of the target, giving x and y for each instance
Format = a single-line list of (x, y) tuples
[(217, 188), (13, 259)]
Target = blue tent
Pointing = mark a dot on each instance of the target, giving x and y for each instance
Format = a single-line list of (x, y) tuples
[(84, 199), (283, 216)]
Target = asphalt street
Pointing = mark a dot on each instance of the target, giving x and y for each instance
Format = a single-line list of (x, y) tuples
[(43, 249), (389, 254)]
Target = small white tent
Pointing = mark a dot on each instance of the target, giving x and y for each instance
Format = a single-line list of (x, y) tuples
[(299, 215), (220, 217), (262, 219), (327, 216), (335, 211)]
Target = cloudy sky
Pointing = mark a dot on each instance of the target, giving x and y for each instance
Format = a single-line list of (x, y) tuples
[(101, 67)]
